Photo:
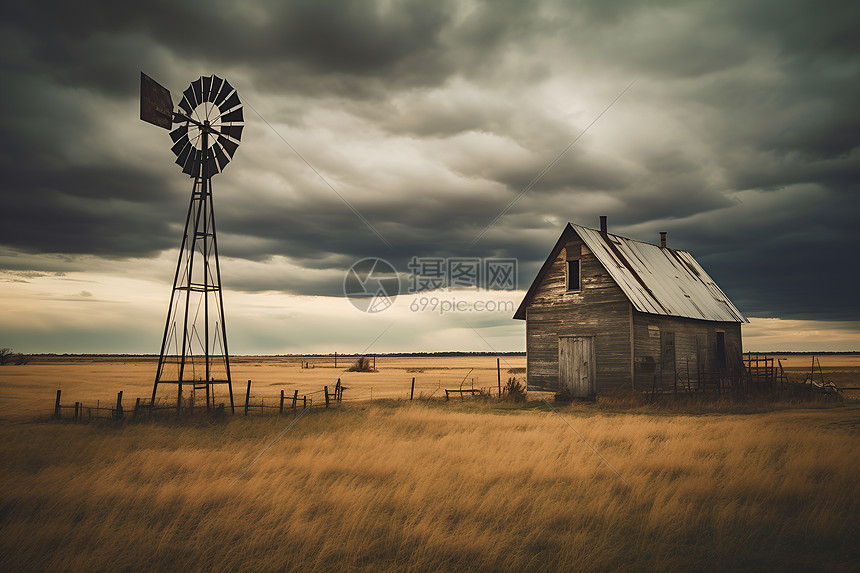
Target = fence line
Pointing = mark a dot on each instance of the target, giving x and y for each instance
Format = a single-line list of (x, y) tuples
[(282, 405), (78, 411)]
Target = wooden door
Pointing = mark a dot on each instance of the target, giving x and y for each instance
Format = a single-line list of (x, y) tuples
[(721, 350), (576, 366)]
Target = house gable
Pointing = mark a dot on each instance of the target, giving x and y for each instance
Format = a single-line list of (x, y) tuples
[(520, 314)]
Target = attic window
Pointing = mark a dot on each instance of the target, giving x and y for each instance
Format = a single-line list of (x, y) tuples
[(573, 282)]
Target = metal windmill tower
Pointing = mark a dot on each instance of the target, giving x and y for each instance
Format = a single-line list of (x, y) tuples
[(194, 346)]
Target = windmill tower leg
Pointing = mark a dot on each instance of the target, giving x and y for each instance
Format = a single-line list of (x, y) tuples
[(168, 341), (223, 325)]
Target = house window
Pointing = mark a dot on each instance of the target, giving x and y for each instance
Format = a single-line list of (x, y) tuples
[(573, 282)]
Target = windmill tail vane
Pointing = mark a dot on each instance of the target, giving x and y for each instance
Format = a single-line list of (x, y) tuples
[(205, 131)]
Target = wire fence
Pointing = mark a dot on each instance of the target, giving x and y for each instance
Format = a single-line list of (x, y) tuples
[(289, 402)]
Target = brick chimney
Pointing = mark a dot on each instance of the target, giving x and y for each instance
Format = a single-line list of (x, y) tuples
[(603, 230), (663, 239)]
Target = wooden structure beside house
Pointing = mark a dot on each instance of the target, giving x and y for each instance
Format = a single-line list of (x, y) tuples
[(606, 312)]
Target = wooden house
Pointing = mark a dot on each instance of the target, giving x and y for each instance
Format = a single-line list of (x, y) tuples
[(606, 312)]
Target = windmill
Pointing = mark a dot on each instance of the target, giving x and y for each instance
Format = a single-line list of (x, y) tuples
[(209, 124)]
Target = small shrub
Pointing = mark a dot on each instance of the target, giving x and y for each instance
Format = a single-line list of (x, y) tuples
[(515, 391), (363, 364)]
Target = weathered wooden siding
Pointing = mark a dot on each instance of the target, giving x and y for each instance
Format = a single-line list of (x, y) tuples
[(600, 309), (695, 348)]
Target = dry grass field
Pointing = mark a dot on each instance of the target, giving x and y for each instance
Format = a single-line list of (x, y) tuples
[(428, 485)]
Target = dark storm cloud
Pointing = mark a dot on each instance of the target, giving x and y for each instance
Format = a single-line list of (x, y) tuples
[(739, 135), (95, 45), (59, 56)]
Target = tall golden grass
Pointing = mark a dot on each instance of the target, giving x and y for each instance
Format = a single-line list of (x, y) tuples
[(418, 486)]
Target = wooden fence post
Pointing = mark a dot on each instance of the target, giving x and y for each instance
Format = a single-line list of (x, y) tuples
[(207, 396), (57, 405), (295, 397), (247, 397), (282, 402), (335, 359), (326, 395), (136, 408), (412, 392), (77, 407), (305, 399), (118, 411), (499, 374)]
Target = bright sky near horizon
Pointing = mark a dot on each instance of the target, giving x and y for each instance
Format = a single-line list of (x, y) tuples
[(740, 136)]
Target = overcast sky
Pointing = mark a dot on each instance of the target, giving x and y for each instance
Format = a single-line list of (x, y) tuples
[(738, 134)]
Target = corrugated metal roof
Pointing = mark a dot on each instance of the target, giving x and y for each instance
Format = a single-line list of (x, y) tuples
[(660, 280)]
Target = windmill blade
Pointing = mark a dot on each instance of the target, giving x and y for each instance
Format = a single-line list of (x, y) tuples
[(198, 89), (234, 131), (179, 146), (185, 106), (212, 166), (229, 146), (226, 89), (223, 160), (179, 133), (231, 102), (216, 88), (192, 163), (207, 86), (193, 168), (192, 101), (183, 154), (233, 116)]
